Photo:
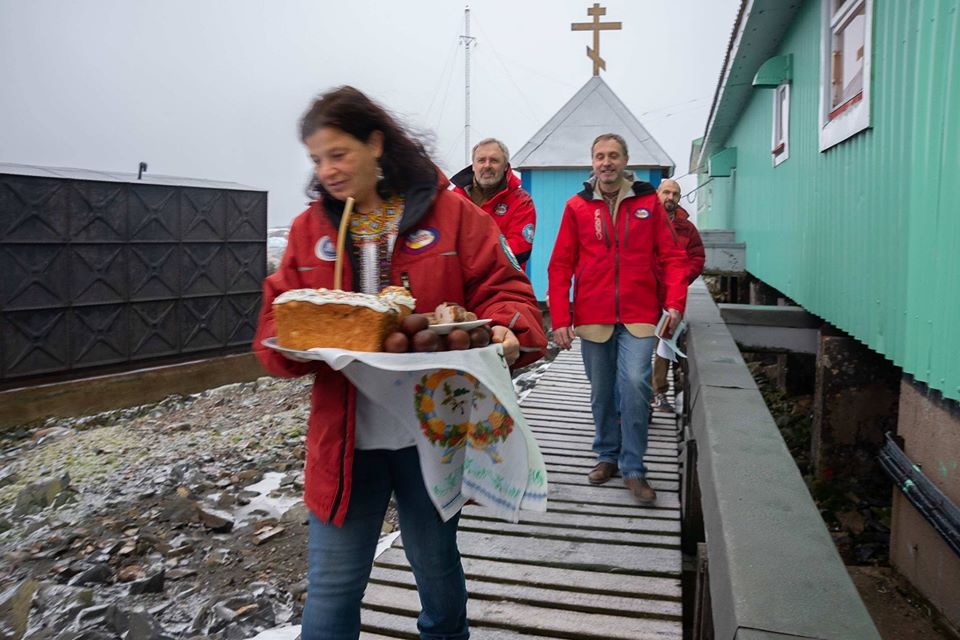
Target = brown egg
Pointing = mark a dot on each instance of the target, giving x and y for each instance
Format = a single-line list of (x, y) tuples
[(413, 323), (396, 342), (480, 337), (426, 341), (458, 339)]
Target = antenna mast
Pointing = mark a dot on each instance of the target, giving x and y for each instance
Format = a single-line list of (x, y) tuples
[(467, 43)]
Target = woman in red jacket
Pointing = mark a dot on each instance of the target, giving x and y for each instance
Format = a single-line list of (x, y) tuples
[(406, 229)]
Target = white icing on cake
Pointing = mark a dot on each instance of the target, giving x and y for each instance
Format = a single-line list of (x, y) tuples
[(334, 296), (399, 298)]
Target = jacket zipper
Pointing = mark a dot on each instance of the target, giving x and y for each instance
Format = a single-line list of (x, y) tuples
[(616, 275), (343, 454), (616, 263)]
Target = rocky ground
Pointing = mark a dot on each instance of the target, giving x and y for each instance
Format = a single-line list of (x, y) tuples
[(857, 514), (175, 520), (179, 519)]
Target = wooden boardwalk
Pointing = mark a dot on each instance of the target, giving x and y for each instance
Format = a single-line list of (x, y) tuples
[(596, 565)]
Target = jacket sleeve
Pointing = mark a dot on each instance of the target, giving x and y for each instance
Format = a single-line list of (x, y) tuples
[(695, 254), (560, 271), (524, 214), (671, 259), (284, 279), (494, 288)]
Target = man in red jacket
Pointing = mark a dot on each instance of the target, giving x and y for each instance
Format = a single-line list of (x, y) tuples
[(689, 239), (491, 185), (609, 235)]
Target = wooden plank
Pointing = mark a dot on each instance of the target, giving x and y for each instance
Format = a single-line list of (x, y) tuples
[(559, 532), (602, 495), (588, 461), (662, 429), (587, 441), (576, 555), (571, 506), (572, 600), (405, 626), (366, 635), (537, 620), (561, 477), (586, 522), (570, 474), (563, 579), (652, 455)]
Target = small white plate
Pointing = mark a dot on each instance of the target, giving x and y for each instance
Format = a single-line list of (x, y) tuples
[(305, 355), (444, 329)]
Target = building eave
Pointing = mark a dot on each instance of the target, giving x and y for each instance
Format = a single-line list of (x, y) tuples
[(757, 33)]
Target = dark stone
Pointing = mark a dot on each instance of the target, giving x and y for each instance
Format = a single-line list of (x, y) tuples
[(92, 616), (179, 510), (38, 495), (15, 609), (144, 626), (97, 574), (8, 475), (151, 584), (86, 634), (216, 521), (57, 596)]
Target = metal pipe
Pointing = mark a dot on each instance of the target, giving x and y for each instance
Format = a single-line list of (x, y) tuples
[(932, 504)]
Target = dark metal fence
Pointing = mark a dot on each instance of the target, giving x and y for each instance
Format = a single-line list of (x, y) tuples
[(100, 269)]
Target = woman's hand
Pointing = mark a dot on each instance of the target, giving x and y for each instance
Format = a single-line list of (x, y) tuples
[(564, 336), (511, 346)]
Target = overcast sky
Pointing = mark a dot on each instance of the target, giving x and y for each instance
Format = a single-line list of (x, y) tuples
[(213, 89)]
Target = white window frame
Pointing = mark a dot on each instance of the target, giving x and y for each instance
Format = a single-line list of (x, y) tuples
[(836, 125), (780, 145)]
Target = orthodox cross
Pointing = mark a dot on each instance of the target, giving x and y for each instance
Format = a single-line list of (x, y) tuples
[(596, 26)]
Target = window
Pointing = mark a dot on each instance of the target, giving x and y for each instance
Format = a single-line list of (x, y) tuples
[(845, 70), (780, 143)]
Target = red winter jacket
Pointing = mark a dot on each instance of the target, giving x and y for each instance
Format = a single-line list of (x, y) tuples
[(690, 242), (446, 251), (611, 261), (512, 208)]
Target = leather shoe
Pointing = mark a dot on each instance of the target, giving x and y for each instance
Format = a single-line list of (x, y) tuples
[(641, 491), (602, 472)]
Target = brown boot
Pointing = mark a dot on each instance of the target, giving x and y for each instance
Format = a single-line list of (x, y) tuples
[(602, 472), (641, 491)]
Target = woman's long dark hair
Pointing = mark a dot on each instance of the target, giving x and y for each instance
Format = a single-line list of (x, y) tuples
[(404, 161)]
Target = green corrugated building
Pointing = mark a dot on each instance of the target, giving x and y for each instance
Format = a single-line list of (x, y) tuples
[(832, 149)]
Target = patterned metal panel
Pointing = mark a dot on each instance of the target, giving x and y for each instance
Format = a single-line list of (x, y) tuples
[(864, 234), (100, 273)]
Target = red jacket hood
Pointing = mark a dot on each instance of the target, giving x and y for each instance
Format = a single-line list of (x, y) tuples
[(464, 178)]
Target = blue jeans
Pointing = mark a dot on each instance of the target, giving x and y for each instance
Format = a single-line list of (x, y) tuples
[(619, 374), (340, 559)]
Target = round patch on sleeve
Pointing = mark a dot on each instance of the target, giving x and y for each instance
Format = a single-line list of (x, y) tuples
[(528, 233), (506, 249), (325, 249), (419, 240)]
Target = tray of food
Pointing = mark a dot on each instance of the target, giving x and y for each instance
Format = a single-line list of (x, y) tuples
[(309, 319)]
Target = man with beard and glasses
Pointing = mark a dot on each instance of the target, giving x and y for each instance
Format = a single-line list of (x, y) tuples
[(689, 239), (490, 183)]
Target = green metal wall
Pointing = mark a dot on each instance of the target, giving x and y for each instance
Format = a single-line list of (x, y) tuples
[(866, 234)]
